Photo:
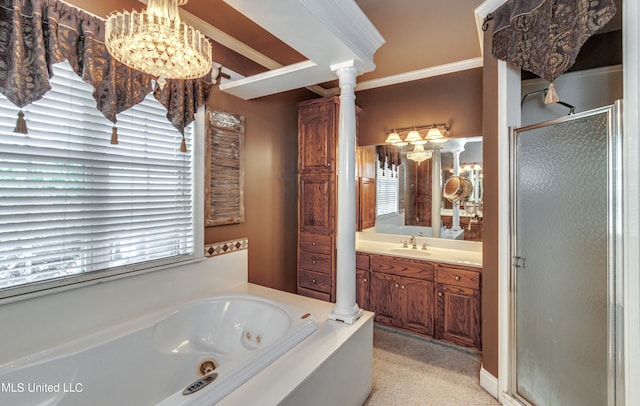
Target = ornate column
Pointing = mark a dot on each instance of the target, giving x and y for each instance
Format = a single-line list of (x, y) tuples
[(436, 192), (346, 309), (455, 222)]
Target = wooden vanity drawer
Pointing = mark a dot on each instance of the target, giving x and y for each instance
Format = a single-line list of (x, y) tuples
[(314, 280), (314, 294), (411, 268), (459, 277), (362, 261), (316, 262), (319, 243)]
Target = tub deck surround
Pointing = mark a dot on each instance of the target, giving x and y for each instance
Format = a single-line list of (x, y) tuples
[(456, 252), (153, 359), (333, 366), (171, 346)]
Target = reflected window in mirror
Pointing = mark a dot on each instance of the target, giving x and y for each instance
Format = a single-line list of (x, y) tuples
[(387, 201)]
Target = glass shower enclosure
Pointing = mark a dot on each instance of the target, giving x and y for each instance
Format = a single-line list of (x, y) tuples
[(565, 207)]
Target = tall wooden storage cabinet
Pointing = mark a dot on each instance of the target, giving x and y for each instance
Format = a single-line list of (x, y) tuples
[(317, 200)]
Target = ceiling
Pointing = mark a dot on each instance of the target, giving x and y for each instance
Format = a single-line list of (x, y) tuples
[(418, 38), (422, 38)]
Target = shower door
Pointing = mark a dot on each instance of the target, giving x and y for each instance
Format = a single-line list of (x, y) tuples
[(563, 182)]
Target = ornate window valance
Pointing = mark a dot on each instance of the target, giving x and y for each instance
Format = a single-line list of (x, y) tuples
[(35, 34), (545, 36), (388, 156)]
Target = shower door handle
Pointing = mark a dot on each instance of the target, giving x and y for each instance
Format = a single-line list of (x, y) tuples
[(518, 262)]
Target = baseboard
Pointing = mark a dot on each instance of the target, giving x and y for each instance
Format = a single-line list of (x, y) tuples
[(489, 382)]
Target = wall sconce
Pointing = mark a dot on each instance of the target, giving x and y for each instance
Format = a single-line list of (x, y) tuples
[(434, 134)]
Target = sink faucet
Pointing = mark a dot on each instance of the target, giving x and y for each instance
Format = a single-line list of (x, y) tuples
[(413, 243)]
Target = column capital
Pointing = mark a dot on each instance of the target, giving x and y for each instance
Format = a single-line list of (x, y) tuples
[(347, 66)]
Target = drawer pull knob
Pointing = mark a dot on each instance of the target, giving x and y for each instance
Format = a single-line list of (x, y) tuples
[(440, 294), (313, 281), (397, 285), (365, 279), (457, 278), (313, 243), (313, 261), (402, 287)]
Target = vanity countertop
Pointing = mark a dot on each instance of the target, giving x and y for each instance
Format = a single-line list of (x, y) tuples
[(438, 250)]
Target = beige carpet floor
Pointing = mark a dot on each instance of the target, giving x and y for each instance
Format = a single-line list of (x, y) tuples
[(410, 370)]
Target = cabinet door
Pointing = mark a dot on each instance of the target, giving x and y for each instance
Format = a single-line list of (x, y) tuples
[(367, 202), (385, 299), (458, 315), (317, 210), (362, 288), (419, 305), (316, 138)]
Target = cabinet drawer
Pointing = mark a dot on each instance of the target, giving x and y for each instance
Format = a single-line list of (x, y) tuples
[(459, 277), (362, 261), (314, 294), (314, 280), (316, 262), (402, 267), (316, 243)]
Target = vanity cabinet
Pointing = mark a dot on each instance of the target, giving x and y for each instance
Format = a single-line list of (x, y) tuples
[(401, 293), (433, 299), (472, 227), (317, 200), (363, 281), (458, 306)]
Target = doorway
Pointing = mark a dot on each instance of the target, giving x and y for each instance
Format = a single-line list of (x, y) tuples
[(564, 279)]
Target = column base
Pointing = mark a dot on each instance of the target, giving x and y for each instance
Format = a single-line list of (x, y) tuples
[(346, 318)]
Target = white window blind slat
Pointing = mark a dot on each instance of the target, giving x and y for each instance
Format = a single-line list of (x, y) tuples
[(71, 203), (386, 190)]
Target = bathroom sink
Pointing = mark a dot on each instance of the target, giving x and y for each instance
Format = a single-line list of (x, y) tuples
[(440, 254)]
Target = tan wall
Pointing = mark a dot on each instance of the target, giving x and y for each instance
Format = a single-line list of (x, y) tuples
[(455, 98), (490, 211), (271, 148)]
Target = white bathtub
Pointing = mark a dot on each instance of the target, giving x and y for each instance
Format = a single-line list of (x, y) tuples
[(152, 360)]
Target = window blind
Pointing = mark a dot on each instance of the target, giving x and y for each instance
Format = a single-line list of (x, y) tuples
[(71, 203), (386, 190)]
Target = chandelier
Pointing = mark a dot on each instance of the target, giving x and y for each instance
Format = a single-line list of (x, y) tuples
[(156, 42), (419, 154)]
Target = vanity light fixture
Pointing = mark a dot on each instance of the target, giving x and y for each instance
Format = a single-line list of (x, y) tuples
[(156, 42), (466, 167), (393, 138), (434, 134), (414, 137)]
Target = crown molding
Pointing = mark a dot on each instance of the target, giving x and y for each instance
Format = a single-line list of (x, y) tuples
[(419, 74)]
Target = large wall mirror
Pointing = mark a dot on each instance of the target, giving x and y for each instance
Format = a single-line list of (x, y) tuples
[(406, 194)]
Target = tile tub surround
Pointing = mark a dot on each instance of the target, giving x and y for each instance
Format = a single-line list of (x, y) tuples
[(468, 253)]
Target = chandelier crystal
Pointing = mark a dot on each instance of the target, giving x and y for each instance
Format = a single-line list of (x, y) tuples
[(156, 42)]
